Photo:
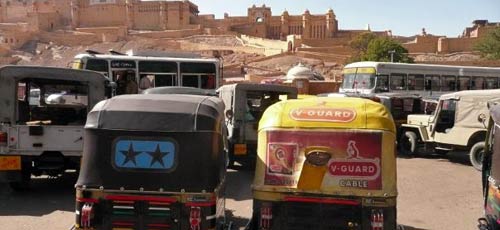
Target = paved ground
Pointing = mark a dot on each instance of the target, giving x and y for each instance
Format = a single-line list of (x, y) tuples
[(435, 193)]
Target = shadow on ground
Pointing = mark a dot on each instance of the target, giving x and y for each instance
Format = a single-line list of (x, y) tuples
[(238, 222), (457, 157), (404, 227), (43, 197), (238, 184)]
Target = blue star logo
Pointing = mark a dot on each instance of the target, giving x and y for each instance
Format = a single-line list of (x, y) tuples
[(144, 154)]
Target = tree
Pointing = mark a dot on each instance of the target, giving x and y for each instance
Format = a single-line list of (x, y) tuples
[(360, 42), (379, 49), (489, 45)]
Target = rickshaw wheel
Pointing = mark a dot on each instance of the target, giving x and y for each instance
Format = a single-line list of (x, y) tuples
[(408, 143), (476, 155)]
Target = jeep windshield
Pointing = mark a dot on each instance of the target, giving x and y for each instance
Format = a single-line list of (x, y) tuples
[(52, 102)]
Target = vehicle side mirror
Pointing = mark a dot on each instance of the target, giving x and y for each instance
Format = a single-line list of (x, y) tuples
[(481, 118), (229, 114)]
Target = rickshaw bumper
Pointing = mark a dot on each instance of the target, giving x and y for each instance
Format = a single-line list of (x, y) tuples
[(321, 213)]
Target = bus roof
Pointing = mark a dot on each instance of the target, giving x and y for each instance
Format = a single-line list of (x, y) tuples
[(145, 58), (389, 67)]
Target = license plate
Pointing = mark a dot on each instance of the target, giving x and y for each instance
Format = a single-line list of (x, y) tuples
[(240, 149), (10, 163)]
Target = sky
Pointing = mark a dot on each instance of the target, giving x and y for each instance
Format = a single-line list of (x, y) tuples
[(403, 17)]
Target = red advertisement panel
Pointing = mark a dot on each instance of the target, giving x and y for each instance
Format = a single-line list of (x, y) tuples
[(324, 160)]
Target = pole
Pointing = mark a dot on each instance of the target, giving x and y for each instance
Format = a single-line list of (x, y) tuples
[(392, 54)]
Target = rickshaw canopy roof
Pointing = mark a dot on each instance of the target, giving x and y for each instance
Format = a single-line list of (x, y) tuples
[(11, 75), (325, 113), (179, 90), (259, 87), (156, 112)]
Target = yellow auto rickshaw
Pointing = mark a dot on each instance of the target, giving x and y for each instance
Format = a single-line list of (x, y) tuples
[(325, 163)]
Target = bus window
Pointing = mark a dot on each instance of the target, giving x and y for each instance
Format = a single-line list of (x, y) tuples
[(190, 80), (491, 83), (208, 82), (160, 73), (382, 83), (98, 65), (432, 83), (398, 82), (125, 82), (199, 75), (415, 82), (448, 83), (160, 80), (463, 83), (359, 78), (478, 83)]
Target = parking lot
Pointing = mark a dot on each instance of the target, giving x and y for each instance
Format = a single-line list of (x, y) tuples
[(434, 193)]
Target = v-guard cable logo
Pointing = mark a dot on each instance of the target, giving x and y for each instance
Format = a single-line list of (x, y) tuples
[(341, 115), (144, 154)]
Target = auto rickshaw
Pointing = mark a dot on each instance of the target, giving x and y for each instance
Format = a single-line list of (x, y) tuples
[(153, 162), (179, 90), (245, 104), (325, 163), (491, 171)]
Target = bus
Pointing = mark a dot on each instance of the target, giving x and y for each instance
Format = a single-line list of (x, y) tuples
[(148, 72), (370, 78)]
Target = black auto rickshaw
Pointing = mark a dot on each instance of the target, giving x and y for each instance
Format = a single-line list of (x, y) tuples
[(153, 162), (491, 171), (179, 90), (325, 163)]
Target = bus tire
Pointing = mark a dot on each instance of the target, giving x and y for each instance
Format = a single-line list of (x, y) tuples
[(476, 155), (408, 143)]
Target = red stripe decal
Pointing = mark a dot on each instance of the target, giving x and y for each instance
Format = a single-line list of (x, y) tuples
[(159, 225), (160, 203), (122, 202), (200, 204), (123, 223), (141, 198), (87, 200), (320, 200)]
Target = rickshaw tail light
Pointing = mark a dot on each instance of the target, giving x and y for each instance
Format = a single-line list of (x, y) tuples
[(266, 215), (3, 138), (86, 215), (195, 218), (377, 219)]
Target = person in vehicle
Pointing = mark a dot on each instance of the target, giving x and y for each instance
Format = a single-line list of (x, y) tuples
[(121, 83), (145, 83), (131, 86)]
